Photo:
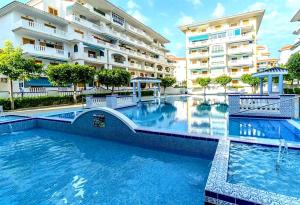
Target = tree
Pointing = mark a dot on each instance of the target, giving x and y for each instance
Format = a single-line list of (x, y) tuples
[(293, 66), (16, 66), (203, 82), (250, 80), (113, 78), (223, 80), (66, 74), (167, 82)]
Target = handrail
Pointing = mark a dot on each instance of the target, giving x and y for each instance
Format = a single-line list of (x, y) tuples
[(266, 105)]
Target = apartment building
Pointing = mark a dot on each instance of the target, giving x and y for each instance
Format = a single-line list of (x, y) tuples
[(296, 45), (222, 46), (179, 69), (94, 33), (285, 53), (264, 59)]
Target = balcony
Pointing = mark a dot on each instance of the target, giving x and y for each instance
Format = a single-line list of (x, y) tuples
[(86, 23), (199, 65), (149, 68), (91, 9), (239, 50), (246, 37), (199, 55), (198, 44), (37, 50), (89, 58), (217, 64), (135, 66), (138, 32), (40, 28), (240, 62)]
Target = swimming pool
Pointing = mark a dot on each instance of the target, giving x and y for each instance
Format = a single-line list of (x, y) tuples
[(10, 118), (196, 116), (40, 166), (265, 168)]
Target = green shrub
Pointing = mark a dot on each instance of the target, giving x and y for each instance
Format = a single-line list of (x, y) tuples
[(28, 102), (297, 91), (288, 91)]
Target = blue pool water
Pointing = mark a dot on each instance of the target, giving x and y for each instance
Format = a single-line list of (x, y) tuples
[(46, 167), (10, 118), (192, 115), (260, 167)]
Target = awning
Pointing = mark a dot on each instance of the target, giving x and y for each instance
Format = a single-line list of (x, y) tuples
[(38, 82), (199, 38), (94, 47)]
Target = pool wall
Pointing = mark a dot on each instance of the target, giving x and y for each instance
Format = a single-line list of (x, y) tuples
[(17, 125), (219, 191), (119, 128)]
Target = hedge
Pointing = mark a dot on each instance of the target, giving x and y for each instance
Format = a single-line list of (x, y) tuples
[(297, 91), (28, 102), (288, 91)]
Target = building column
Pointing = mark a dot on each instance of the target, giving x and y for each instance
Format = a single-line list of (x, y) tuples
[(134, 92), (270, 84), (280, 84), (261, 86)]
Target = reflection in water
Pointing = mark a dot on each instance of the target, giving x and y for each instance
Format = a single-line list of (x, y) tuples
[(195, 115), (183, 114)]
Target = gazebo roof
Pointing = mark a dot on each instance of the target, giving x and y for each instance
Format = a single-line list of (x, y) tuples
[(276, 71), (145, 80)]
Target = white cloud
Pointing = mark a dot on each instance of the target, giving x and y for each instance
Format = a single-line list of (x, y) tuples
[(195, 2), (219, 10), (133, 10), (132, 5), (257, 6), (139, 16), (185, 20), (167, 32)]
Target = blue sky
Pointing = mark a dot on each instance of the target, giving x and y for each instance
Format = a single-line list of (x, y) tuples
[(166, 15)]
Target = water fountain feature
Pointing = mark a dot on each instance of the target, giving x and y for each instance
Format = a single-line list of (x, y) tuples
[(282, 152)]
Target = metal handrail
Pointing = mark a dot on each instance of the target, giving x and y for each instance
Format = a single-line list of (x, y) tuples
[(266, 105)]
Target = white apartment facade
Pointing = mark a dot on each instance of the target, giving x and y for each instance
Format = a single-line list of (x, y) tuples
[(90, 32), (264, 59), (285, 54), (222, 46), (296, 45), (180, 71)]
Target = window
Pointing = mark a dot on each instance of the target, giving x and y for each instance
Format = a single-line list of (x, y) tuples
[(204, 72), (27, 18), (234, 70), (194, 30), (28, 41), (92, 54), (233, 24), (79, 31), (75, 48), (38, 62), (217, 49), (218, 27), (246, 22), (235, 81), (3, 80), (53, 11), (194, 61), (49, 25), (246, 69), (118, 19)]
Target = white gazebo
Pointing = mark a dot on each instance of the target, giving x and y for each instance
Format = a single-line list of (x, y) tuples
[(270, 73), (137, 82)]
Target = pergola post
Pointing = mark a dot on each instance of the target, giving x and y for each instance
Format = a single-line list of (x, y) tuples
[(158, 94), (139, 91), (261, 86), (270, 84), (280, 84), (134, 91)]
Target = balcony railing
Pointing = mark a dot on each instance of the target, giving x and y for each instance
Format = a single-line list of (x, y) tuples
[(199, 55), (199, 65), (135, 65), (45, 51), (240, 62), (240, 50), (89, 57), (38, 27)]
